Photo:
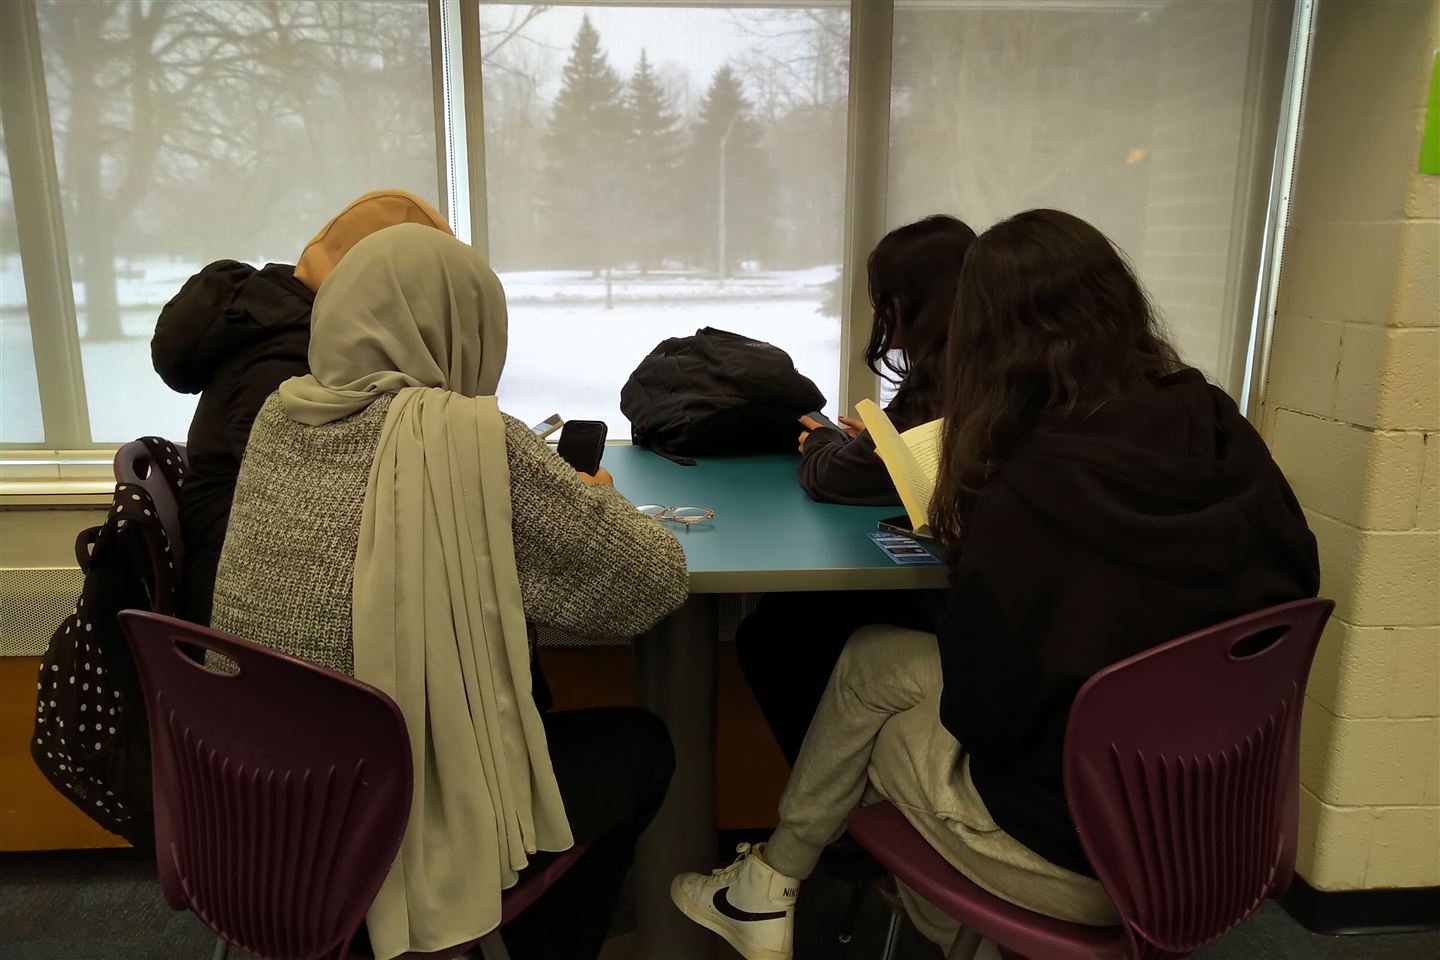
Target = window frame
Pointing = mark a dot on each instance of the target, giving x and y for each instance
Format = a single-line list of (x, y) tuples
[(69, 456)]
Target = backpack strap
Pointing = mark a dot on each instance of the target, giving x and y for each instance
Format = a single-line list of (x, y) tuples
[(84, 545), (170, 461), (132, 507)]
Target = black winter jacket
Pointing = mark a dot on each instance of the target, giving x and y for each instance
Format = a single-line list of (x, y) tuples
[(232, 334), (1159, 514)]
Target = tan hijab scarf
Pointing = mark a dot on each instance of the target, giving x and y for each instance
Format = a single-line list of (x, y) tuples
[(438, 620)]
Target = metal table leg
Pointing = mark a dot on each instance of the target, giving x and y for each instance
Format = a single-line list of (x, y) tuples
[(676, 679)]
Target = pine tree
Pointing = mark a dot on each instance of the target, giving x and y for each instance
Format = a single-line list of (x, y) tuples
[(725, 125), (587, 129), (653, 216)]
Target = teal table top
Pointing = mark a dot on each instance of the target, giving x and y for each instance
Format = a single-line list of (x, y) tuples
[(767, 535)]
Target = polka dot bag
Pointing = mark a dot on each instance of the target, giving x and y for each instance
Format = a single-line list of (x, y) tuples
[(90, 738)]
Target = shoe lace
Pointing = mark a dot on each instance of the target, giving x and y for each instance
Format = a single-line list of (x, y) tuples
[(741, 852)]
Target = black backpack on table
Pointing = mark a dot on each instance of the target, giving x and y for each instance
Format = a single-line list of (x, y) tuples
[(717, 393), (91, 740)]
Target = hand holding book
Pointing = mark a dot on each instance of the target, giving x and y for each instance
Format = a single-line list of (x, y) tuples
[(912, 457)]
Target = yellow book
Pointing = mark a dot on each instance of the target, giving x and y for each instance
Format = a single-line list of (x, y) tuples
[(912, 457)]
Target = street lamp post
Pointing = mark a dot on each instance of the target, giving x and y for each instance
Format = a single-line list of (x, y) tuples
[(722, 265)]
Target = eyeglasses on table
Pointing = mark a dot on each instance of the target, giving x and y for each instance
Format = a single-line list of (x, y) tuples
[(685, 516)]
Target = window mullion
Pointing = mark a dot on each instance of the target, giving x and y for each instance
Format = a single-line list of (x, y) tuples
[(473, 106), (40, 222), (872, 24)]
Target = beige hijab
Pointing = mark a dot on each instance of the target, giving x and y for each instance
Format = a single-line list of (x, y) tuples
[(438, 619), (373, 211)]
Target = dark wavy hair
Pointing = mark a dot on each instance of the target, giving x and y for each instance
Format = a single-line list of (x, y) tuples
[(1049, 323), (913, 274)]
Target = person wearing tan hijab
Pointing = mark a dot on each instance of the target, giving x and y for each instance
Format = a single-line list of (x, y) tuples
[(233, 334), (390, 523)]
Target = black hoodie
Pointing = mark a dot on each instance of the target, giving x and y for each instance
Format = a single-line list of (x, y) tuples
[(1159, 514), (232, 334)]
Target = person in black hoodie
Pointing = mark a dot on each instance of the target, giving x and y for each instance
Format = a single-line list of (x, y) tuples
[(233, 334), (789, 644), (1099, 499)]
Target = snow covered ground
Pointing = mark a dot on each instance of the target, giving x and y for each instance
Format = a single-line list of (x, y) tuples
[(568, 353)]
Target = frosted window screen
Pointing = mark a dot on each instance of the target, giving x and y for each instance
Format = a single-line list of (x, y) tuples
[(19, 389), (1127, 114), (187, 132), (609, 220)]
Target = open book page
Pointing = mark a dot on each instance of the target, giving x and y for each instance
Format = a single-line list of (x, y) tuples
[(912, 457)]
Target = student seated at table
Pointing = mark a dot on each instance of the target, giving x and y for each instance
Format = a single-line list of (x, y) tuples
[(1101, 498), (789, 644), (233, 334), (390, 523), (913, 272)]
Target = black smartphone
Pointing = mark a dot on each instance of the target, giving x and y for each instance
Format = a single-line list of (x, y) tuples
[(582, 444), (548, 426)]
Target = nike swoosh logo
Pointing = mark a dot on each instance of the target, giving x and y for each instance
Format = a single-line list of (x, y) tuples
[(726, 908)]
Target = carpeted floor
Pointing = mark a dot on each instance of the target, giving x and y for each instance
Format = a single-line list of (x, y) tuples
[(105, 905)]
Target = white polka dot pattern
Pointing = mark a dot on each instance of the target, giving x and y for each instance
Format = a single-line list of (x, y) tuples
[(88, 680)]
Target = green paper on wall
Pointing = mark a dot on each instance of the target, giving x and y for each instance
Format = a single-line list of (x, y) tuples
[(1430, 144)]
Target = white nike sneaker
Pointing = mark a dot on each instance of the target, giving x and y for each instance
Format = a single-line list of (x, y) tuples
[(747, 903)]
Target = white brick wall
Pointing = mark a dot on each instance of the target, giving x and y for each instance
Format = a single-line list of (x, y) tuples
[(1352, 414)]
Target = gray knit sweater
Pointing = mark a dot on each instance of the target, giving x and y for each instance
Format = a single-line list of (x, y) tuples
[(588, 563)]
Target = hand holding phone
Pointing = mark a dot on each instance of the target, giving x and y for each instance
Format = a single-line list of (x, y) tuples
[(582, 444), (817, 421)]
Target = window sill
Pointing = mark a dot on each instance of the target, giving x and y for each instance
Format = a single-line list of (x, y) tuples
[(46, 494)]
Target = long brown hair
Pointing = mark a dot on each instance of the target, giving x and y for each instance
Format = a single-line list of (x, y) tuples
[(1049, 322), (913, 273)]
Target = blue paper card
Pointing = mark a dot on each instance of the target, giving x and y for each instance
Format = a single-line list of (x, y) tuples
[(902, 550)]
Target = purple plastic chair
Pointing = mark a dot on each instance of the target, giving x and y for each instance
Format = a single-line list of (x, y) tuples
[(1182, 777), (133, 464), (281, 793)]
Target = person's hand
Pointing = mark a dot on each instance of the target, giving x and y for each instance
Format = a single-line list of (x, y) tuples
[(601, 477), (809, 424), (853, 427)]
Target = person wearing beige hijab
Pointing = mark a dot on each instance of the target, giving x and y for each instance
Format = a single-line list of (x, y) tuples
[(233, 334), (391, 523)]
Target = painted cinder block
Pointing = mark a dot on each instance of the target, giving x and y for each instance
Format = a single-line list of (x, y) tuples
[(1389, 378), (1369, 762), (1334, 844), (1427, 510), (1404, 847), (1415, 691), (1354, 670), (1422, 200), (1417, 275), (1367, 478), (1342, 272), (1378, 578), (1303, 361)]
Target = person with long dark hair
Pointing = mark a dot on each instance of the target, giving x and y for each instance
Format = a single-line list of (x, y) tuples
[(789, 644), (912, 275), (1098, 498)]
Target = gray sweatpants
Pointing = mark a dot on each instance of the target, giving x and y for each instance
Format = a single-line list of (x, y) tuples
[(878, 733)]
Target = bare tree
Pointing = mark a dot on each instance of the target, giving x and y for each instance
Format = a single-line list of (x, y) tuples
[(177, 120)]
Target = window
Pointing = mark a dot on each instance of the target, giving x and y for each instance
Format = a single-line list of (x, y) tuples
[(651, 170), (19, 387), (187, 132), (647, 167), (1132, 115)]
